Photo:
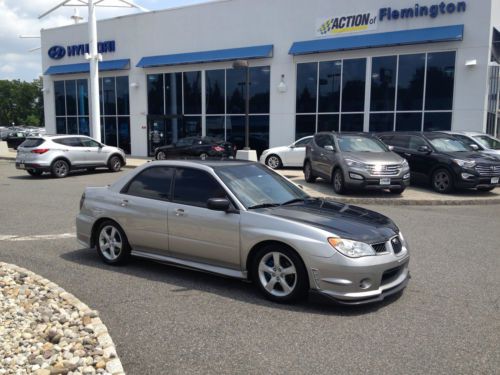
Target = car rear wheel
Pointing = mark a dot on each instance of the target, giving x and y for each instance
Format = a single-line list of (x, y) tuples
[(112, 243), (280, 274), (34, 172), (274, 162), (338, 182), (59, 169), (489, 188), (308, 172), (442, 181), (161, 155), (203, 156), (115, 164)]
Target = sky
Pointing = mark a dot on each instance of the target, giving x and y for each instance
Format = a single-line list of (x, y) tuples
[(20, 17)]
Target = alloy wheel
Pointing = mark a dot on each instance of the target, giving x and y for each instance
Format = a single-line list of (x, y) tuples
[(110, 242), (161, 156), (442, 181), (61, 168), (203, 156), (273, 162), (277, 274)]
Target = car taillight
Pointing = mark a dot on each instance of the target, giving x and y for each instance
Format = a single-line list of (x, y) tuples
[(218, 148), (82, 199), (40, 151)]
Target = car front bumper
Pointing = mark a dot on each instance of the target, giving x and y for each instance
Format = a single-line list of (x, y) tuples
[(376, 182), (360, 281)]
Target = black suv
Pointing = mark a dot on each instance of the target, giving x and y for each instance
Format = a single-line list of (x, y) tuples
[(444, 161)]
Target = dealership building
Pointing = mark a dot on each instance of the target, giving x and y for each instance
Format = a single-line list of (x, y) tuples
[(313, 65)]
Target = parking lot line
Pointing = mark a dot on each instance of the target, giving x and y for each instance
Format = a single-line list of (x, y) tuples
[(36, 237)]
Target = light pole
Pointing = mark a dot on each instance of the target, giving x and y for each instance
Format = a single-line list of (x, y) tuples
[(93, 56)]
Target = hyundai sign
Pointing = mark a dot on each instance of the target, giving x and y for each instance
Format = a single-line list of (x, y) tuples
[(58, 52)]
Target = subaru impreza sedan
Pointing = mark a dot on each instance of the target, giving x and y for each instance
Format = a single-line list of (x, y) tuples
[(243, 220)]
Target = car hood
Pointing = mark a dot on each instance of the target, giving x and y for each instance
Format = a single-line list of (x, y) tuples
[(374, 157), (346, 221), (478, 157)]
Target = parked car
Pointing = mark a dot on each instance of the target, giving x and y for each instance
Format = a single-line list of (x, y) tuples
[(286, 156), (479, 142), (241, 219), (196, 147), (355, 161), (59, 154), (14, 139), (445, 162)]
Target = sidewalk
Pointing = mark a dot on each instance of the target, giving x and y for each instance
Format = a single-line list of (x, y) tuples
[(413, 196)]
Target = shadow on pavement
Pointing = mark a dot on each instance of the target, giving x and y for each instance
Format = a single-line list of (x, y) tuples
[(74, 173), (187, 280)]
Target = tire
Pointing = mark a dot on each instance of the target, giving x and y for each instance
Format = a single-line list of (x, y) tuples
[(34, 172), (274, 162), (486, 189), (112, 243), (283, 284), (160, 155), (308, 172), (397, 191), (203, 156), (442, 181), (115, 164), (59, 168), (338, 182)]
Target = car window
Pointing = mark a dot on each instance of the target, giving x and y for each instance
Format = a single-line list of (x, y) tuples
[(355, 143), (446, 144), (488, 142), (465, 139), (416, 142), (194, 187), (399, 141), (67, 142), (323, 140), (302, 142), (152, 183), (32, 142), (185, 142), (87, 142)]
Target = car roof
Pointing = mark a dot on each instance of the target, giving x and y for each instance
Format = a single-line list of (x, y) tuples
[(208, 163)]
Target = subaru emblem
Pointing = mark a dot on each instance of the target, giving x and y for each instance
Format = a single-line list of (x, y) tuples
[(57, 52)]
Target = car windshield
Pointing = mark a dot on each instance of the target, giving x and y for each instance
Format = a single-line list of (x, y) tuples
[(488, 142), (257, 186), (351, 143), (445, 144)]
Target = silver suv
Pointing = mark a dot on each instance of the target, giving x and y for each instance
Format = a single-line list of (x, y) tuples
[(58, 154), (355, 160)]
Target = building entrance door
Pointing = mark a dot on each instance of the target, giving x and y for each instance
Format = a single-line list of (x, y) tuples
[(163, 131)]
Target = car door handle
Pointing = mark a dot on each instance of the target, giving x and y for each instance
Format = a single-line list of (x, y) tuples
[(179, 212), (124, 203)]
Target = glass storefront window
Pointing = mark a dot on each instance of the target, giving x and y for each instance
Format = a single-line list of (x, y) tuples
[(411, 82), (305, 125), (70, 98), (215, 126), (383, 88), (440, 80), (260, 78), (215, 88), (82, 97), (409, 121), (61, 125), (381, 122), (60, 98), (329, 86), (328, 123), (122, 95), (72, 125), (353, 85), (173, 94), (307, 80), (83, 126), (192, 93), (352, 122), (436, 121), (235, 91), (109, 96), (155, 94)]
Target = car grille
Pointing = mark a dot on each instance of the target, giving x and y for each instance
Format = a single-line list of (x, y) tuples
[(384, 170), (379, 247), (488, 170)]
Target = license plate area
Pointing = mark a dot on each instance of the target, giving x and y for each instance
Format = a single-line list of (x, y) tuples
[(385, 181), (494, 180)]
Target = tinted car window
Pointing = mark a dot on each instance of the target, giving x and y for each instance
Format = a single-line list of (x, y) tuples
[(185, 142), (73, 142), (351, 143), (449, 145), (86, 142), (153, 183), (488, 142), (323, 140), (32, 142), (416, 142), (302, 142), (194, 187), (399, 141)]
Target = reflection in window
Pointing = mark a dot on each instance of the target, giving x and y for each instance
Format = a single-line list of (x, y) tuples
[(307, 79), (155, 94), (259, 89), (411, 82), (70, 98), (60, 98), (173, 94), (409, 121), (108, 96), (215, 126), (71, 101), (192, 93), (435, 121), (122, 95), (235, 94), (383, 90), (352, 123), (353, 85), (328, 123), (439, 82), (304, 125), (381, 122), (82, 97), (153, 183), (215, 87), (329, 86)]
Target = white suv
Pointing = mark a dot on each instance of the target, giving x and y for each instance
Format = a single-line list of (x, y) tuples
[(58, 154)]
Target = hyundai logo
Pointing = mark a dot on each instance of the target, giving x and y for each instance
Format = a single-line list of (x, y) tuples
[(57, 52)]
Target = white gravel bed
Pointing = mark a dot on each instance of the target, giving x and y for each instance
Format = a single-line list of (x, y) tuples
[(46, 331)]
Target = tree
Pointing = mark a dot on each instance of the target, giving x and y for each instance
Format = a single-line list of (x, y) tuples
[(21, 103)]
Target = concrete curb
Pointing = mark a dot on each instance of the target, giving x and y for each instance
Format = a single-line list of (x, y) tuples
[(113, 365)]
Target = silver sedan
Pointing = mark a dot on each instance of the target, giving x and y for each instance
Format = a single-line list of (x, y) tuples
[(243, 220)]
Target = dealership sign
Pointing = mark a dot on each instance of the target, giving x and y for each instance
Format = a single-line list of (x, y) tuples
[(58, 52), (364, 21)]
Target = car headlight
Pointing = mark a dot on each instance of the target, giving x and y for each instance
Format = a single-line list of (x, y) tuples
[(403, 240), (465, 163), (355, 163), (351, 249), (405, 164)]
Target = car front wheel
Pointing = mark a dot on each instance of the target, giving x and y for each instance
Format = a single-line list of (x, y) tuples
[(112, 243), (280, 274), (115, 164), (308, 172), (338, 182), (161, 155), (274, 162), (442, 181)]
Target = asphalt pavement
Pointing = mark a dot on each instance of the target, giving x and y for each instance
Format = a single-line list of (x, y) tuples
[(166, 320)]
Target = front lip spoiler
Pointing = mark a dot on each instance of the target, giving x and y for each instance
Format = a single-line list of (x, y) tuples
[(379, 298)]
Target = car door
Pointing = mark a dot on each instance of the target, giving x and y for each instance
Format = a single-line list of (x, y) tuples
[(73, 150), (421, 162), (318, 154), (143, 206), (94, 152), (294, 156), (197, 233), (326, 157)]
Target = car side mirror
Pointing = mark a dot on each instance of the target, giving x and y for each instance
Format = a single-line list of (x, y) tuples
[(292, 145), (474, 147), (424, 149), (218, 204), (329, 148), (391, 148)]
